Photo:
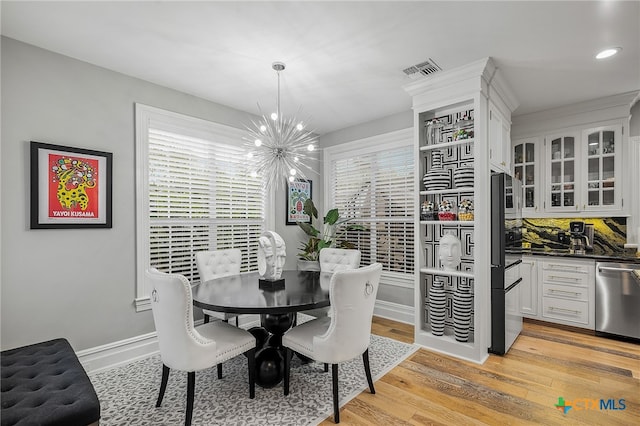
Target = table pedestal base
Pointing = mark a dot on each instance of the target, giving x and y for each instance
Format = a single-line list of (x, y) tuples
[(269, 351)]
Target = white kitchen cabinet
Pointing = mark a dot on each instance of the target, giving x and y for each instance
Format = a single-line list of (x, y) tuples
[(561, 161), (596, 181), (568, 292), (526, 167), (583, 170), (499, 140), (602, 146), (529, 287)]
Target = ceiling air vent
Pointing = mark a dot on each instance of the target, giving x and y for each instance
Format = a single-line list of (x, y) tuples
[(423, 68)]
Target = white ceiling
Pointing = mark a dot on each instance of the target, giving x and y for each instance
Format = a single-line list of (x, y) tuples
[(344, 59)]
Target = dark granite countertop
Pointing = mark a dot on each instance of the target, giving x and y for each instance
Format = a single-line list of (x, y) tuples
[(601, 257)]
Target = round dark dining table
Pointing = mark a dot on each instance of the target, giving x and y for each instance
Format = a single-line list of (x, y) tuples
[(277, 304), (242, 293)]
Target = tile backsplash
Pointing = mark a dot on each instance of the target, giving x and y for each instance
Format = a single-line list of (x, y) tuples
[(609, 236)]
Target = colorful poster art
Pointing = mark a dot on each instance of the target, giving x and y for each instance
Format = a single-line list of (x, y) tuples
[(70, 187), (73, 186), (298, 192)]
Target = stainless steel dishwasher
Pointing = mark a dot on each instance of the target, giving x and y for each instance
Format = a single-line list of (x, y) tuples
[(618, 299)]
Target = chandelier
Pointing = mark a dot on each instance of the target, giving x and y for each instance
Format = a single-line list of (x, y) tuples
[(279, 147)]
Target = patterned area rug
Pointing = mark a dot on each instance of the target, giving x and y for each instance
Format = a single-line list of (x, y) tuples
[(128, 394)]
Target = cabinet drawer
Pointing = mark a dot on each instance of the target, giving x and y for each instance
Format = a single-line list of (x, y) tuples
[(568, 292), (565, 310), (562, 277), (576, 267)]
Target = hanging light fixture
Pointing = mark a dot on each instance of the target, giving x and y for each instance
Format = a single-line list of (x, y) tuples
[(279, 148)]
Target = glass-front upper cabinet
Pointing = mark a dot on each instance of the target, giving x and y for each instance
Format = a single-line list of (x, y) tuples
[(525, 168), (582, 170), (561, 156), (603, 189)]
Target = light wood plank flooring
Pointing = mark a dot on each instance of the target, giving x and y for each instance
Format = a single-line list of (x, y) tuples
[(520, 388)]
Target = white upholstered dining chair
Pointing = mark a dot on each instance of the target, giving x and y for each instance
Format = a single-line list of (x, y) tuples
[(214, 264), (335, 259), (187, 348), (332, 260), (345, 334)]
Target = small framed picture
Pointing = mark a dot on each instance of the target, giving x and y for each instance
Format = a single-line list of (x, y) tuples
[(70, 187), (298, 192)]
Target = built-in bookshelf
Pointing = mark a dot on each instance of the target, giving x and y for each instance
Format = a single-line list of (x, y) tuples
[(452, 132)]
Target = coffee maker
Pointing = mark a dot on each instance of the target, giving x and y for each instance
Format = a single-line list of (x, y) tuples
[(579, 239)]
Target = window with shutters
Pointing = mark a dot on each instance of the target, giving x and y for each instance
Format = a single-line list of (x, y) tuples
[(372, 182), (193, 194)]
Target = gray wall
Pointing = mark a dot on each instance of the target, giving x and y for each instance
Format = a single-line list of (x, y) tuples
[(292, 234), (80, 284), (75, 283), (403, 120)]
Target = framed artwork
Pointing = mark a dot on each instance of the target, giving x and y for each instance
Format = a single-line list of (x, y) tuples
[(70, 187), (298, 192)]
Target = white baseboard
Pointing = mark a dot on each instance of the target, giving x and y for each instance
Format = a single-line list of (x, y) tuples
[(394, 311), (118, 353), (105, 357), (111, 355)]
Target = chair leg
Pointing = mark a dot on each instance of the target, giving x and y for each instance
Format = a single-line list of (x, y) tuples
[(334, 379), (251, 357), (367, 370), (219, 371), (206, 318), (163, 384), (288, 354), (326, 367), (237, 323), (191, 386)]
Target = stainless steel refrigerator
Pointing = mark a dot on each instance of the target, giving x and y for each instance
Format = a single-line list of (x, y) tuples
[(506, 257)]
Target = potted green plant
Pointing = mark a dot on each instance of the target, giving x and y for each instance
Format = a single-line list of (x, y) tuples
[(334, 230)]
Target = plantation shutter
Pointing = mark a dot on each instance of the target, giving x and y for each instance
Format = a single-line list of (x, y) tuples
[(376, 190), (200, 198)]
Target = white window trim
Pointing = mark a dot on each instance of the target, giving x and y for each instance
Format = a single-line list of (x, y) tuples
[(143, 116), (383, 142)]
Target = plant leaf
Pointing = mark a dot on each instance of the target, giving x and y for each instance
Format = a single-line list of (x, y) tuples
[(308, 229), (346, 244), (323, 244), (332, 217), (309, 208)]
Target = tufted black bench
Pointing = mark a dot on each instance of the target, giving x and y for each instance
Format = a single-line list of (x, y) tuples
[(45, 384)]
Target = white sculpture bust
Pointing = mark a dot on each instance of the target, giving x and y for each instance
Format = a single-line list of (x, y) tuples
[(450, 252), (272, 253)]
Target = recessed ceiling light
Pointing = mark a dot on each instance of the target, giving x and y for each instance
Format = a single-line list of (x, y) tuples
[(608, 52)]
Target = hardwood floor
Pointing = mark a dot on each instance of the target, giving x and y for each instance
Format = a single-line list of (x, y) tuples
[(520, 388)]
